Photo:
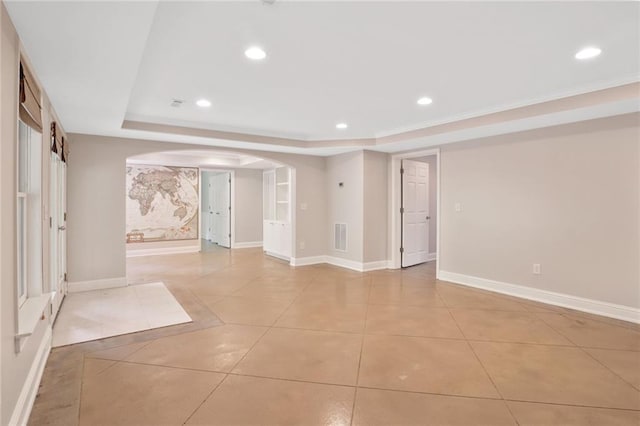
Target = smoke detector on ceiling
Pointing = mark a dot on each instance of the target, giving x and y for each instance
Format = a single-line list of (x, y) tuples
[(268, 1), (176, 103)]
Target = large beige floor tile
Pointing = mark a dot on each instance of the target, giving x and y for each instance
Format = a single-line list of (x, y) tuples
[(469, 298), (133, 394), (594, 334), (411, 321), (625, 364), (423, 365), (529, 414), (506, 326), (315, 356), (554, 374), (242, 400), (395, 279), (409, 295), (278, 290), (380, 407), (325, 316), (213, 349), (94, 366), (250, 310), (354, 292), (119, 352)]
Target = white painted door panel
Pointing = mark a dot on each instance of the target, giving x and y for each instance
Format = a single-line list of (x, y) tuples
[(222, 203), (58, 231), (415, 203)]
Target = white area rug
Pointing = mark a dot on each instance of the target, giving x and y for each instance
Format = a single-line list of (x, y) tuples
[(97, 314)]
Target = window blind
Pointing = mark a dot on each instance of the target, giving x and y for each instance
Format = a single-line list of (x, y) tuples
[(30, 108)]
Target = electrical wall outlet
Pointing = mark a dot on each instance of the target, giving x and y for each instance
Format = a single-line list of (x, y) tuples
[(458, 207), (301, 245), (537, 269)]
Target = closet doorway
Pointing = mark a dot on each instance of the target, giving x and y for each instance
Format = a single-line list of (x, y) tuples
[(216, 207)]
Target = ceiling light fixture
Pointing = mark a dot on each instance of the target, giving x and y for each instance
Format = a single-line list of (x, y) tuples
[(203, 103), (425, 101), (588, 52), (255, 53), (341, 126)]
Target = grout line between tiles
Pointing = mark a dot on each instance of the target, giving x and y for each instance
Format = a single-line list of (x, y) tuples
[(206, 398), (483, 367), (364, 328)]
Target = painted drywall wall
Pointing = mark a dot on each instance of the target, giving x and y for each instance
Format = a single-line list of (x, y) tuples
[(432, 160), (15, 367), (96, 200), (375, 206), (345, 203), (248, 205), (565, 197)]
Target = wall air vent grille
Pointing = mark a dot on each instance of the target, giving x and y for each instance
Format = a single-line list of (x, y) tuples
[(340, 237)]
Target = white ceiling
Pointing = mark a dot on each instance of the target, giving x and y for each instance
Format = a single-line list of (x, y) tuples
[(363, 63)]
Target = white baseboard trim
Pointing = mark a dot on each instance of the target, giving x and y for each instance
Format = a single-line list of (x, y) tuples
[(310, 260), (75, 287), (24, 405), (611, 310), (374, 266), (278, 256), (343, 263), (162, 250), (249, 244), (431, 256)]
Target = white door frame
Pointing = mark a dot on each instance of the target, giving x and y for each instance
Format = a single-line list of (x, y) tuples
[(233, 200), (395, 202)]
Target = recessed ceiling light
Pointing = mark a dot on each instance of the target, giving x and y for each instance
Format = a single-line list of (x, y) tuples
[(341, 126), (203, 103), (588, 52), (425, 101), (255, 53)]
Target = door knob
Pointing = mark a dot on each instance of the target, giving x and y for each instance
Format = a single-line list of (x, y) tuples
[(428, 217), (62, 228)]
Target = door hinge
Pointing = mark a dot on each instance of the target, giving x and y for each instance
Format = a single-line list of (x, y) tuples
[(65, 276), (401, 249), (50, 222), (401, 171), (401, 209), (65, 216), (229, 235)]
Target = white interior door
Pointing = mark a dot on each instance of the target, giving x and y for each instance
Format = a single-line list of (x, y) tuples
[(222, 208), (415, 212), (58, 231), (210, 212)]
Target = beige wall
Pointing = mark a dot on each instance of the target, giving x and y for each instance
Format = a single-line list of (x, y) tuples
[(375, 206), (248, 205), (15, 366), (345, 204), (565, 197), (96, 219)]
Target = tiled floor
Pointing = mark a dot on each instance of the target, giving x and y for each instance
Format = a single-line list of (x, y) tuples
[(91, 315), (274, 345)]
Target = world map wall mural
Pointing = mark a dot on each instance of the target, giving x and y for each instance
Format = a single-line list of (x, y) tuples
[(162, 203)]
